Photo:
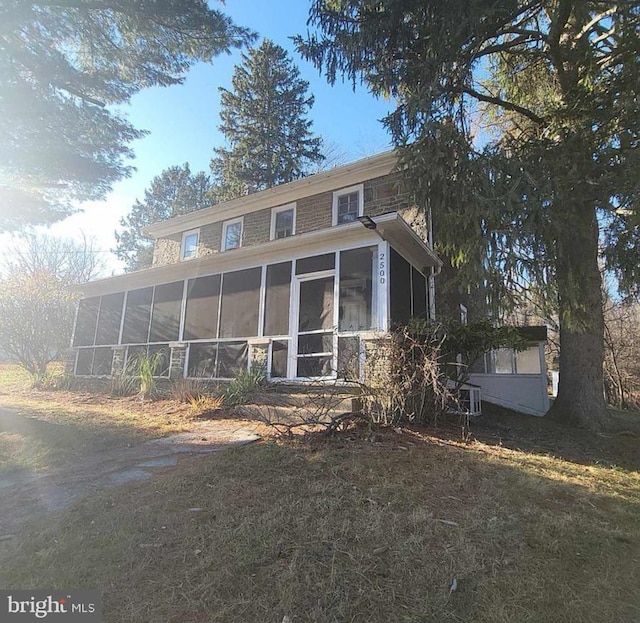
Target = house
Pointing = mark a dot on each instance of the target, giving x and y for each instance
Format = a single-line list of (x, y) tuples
[(296, 279)]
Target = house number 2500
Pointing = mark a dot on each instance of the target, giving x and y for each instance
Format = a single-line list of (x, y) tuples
[(382, 267)]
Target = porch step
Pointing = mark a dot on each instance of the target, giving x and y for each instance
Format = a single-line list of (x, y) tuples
[(293, 407)]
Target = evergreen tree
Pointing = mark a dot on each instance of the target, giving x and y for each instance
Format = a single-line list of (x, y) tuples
[(174, 192), (560, 171), (62, 64), (264, 121)]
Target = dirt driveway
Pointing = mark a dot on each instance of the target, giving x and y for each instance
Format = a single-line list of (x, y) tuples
[(25, 493)]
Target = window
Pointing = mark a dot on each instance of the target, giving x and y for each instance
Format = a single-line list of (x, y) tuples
[(464, 315), (189, 248), (232, 234), (509, 361), (283, 222), (347, 204)]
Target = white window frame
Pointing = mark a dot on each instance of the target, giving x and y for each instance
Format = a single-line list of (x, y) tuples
[(183, 244), (358, 188), (464, 315), (275, 212), (225, 226)]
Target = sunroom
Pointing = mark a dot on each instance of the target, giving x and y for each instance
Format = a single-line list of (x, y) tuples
[(300, 307)]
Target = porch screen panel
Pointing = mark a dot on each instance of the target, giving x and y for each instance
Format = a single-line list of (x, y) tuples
[(279, 356), (203, 360), (316, 263), (276, 314), (161, 356), (316, 304), (84, 362), (201, 318), (232, 357), (356, 289), (102, 361), (240, 303), (400, 288), (136, 316), (134, 354), (312, 367), (86, 322), (419, 289), (109, 318), (165, 318)]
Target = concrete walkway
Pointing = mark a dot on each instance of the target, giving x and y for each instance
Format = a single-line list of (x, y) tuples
[(25, 494)]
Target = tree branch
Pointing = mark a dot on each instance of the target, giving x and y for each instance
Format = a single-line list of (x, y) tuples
[(483, 97)]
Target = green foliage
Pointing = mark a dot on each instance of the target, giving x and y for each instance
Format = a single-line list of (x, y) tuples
[(520, 203), (36, 318), (245, 384), (145, 368), (63, 66), (174, 192), (264, 121)]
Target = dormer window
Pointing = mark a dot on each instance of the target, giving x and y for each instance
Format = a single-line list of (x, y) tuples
[(189, 247), (347, 204), (232, 234), (283, 222)]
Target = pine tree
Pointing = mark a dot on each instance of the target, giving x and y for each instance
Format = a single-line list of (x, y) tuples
[(557, 180), (63, 65), (264, 121), (174, 192)]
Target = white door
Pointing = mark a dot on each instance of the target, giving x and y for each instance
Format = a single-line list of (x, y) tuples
[(314, 346)]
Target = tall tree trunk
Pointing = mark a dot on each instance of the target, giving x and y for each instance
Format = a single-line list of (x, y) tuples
[(580, 398)]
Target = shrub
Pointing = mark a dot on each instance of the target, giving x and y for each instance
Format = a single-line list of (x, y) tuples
[(245, 385)]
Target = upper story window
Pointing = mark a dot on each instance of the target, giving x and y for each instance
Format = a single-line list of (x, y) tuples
[(283, 222), (232, 234), (347, 204), (189, 247)]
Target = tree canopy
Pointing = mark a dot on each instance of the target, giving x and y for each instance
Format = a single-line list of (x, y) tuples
[(174, 192), (519, 122), (264, 121), (63, 65)]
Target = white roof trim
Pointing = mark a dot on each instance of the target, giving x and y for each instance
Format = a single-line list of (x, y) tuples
[(334, 179), (390, 226)]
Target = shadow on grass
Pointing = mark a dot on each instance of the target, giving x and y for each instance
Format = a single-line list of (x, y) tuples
[(508, 429), (354, 528), (33, 444)]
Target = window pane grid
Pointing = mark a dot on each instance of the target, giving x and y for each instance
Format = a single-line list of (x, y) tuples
[(348, 207)]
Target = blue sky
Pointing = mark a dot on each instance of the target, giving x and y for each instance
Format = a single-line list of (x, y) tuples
[(183, 119)]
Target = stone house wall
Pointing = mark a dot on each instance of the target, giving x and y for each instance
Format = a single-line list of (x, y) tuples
[(381, 195)]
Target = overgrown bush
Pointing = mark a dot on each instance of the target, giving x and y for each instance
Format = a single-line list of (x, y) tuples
[(405, 377)]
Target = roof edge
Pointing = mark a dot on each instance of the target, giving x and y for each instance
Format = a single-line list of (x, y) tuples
[(336, 178)]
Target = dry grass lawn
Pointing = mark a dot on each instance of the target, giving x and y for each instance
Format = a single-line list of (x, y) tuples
[(99, 422), (527, 523)]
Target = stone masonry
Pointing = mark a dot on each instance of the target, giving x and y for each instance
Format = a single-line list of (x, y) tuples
[(381, 195)]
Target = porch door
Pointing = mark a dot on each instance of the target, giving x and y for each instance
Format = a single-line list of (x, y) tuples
[(315, 337)]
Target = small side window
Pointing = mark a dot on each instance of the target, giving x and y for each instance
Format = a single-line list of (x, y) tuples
[(232, 235), (189, 248)]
